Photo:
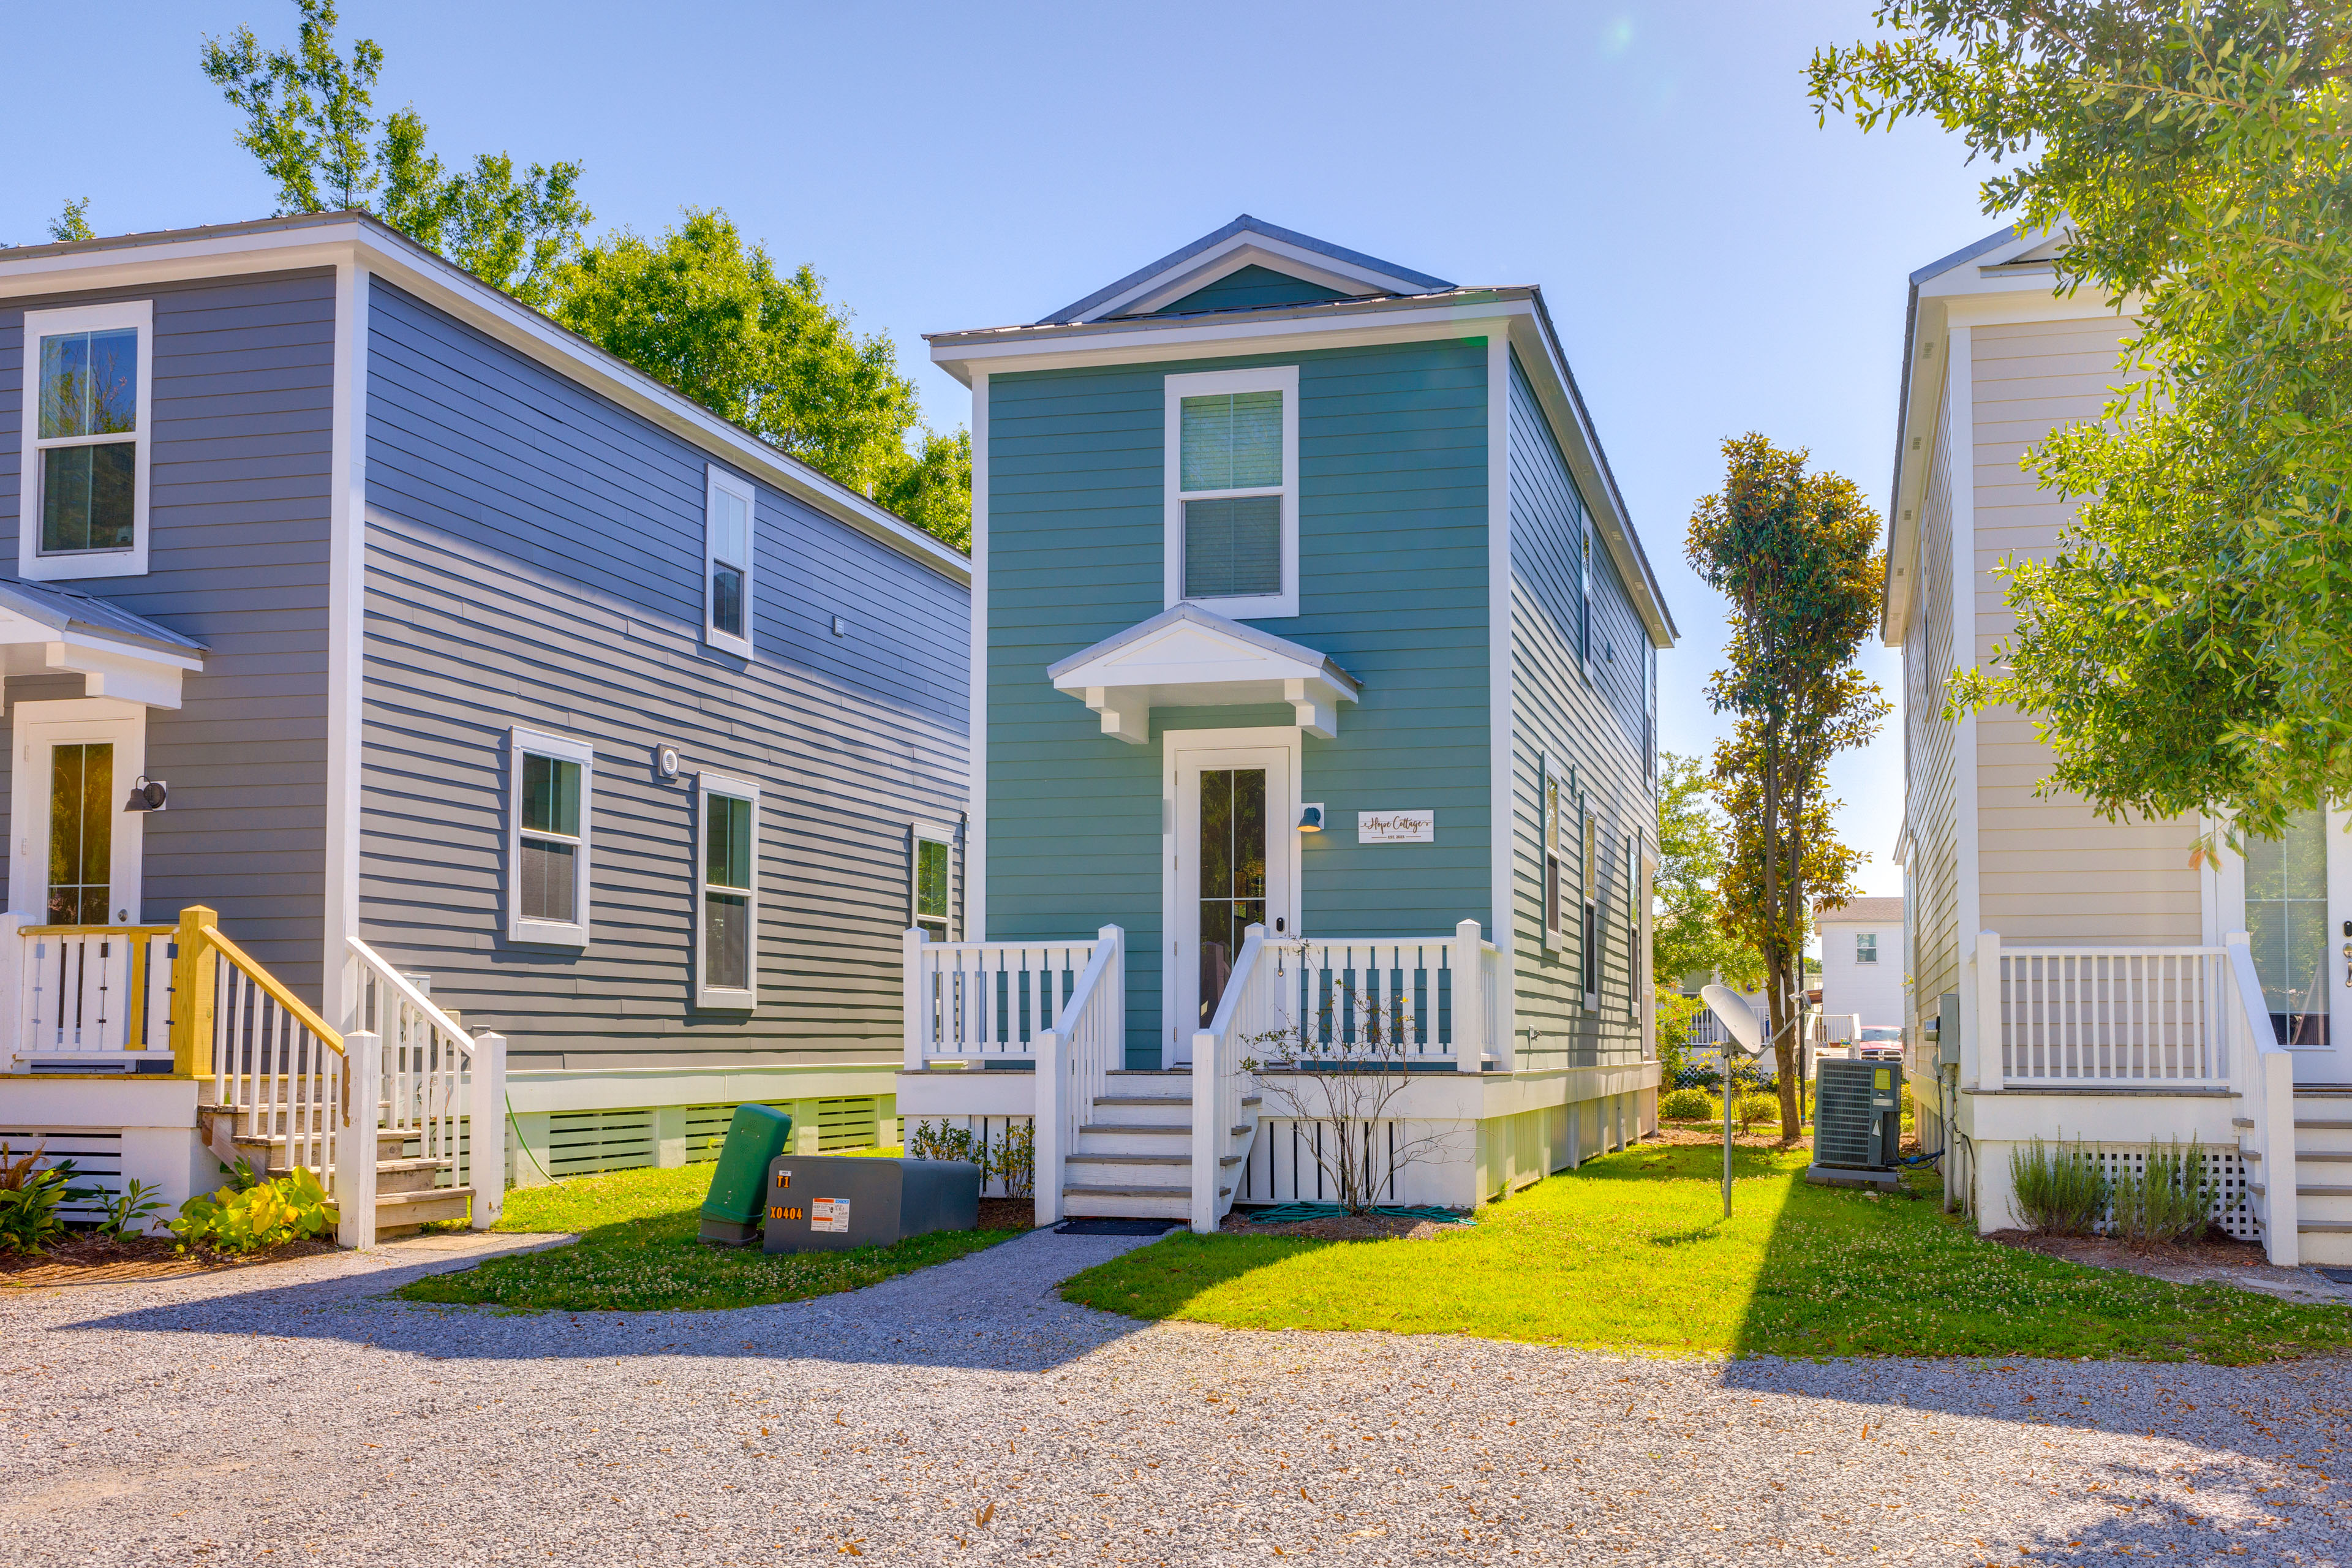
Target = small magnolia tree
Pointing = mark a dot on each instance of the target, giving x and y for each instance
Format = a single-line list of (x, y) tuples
[(1345, 1075)]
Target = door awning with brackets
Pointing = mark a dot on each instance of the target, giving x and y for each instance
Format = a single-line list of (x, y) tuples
[(1190, 657), (47, 630)]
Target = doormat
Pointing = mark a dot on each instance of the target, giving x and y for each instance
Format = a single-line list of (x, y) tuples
[(2341, 1276), (1114, 1226)]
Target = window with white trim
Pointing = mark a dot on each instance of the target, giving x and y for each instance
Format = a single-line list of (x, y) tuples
[(1585, 606), (551, 784), (727, 536), (1554, 928), (1865, 947), (931, 886), (1232, 485), (83, 487), (726, 893), (1588, 863), (1633, 954)]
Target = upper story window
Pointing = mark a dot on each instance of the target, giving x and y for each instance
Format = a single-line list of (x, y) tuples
[(932, 884), (1554, 927), (1590, 850), (727, 951), (1585, 606), (727, 563), (552, 779), (84, 479), (1233, 492), (1865, 947)]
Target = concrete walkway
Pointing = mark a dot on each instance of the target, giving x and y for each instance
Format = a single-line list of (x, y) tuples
[(965, 1414)]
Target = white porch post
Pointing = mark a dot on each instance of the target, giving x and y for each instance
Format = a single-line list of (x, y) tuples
[(486, 1153), (354, 1141), (1469, 998), (1207, 1136), (1988, 1041), (915, 993), (1050, 1120)]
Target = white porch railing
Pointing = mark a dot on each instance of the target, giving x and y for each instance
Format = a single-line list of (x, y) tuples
[(443, 1088), (282, 1071), (2102, 1016), (1250, 1009), (1444, 999), (2264, 1074), (968, 1001), (1075, 1059), (101, 994)]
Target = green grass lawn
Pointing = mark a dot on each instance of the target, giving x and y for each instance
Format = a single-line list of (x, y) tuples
[(638, 1253), (1632, 1252)]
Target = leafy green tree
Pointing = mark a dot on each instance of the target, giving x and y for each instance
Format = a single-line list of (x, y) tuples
[(714, 317), (309, 118), (2183, 648), (1686, 930), (73, 223), (1796, 555)]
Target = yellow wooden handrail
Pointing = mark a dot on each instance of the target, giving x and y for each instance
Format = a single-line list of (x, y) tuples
[(196, 983), (95, 931)]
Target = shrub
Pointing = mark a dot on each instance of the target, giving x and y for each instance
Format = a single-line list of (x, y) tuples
[(256, 1217), (2168, 1199), (1752, 1108), (2061, 1191), (1686, 1105), (29, 1220), (941, 1142)]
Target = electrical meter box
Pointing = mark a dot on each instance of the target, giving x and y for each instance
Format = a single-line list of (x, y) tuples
[(830, 1203)]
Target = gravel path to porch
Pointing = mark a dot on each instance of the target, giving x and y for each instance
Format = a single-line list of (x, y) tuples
[(966, 1415)]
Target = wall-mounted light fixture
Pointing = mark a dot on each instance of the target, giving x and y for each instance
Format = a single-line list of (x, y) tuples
[(147, 794), (840, 627), (1310, 817)]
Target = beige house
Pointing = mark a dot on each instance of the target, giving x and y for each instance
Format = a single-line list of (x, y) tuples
[(2092, 982)]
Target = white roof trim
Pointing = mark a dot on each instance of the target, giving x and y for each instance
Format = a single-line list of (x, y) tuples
[(1190, 657), (1244, 249), (327, 239)]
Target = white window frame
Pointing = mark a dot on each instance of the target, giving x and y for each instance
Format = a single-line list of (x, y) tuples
[(717, 482), (1861, 938), (562, 748), (1282, 378), (31, 565), (727, 998), (1589, 930), (930, 833), (1551, 852), (1584, 607)]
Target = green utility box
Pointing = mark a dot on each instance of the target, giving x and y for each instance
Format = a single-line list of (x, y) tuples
[(730, 1215)]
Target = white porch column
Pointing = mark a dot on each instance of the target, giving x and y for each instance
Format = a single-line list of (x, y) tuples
[(1987, 1033), (914, 994), (354, 1141), (1050, 1123), (487, 1147), (1469, 998)]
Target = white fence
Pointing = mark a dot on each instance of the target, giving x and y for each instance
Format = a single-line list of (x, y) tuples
[(1436, 1000), (967, 1001), (2111, 1016), (1075, 1059)]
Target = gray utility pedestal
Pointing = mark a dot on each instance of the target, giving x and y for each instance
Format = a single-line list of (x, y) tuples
[(830, 1203)]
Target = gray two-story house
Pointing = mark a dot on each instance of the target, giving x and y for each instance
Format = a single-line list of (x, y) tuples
[(1314, 673), (471, 686)]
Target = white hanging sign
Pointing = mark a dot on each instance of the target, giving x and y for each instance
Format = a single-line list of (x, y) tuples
[(1396, 827)]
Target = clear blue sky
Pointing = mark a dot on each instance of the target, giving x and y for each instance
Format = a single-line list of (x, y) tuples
[(1716, 263)]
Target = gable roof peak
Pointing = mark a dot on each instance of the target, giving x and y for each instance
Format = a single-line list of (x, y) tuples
[(1244, 242)]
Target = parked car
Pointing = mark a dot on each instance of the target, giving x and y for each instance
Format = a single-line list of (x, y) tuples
[(1879, 1044)]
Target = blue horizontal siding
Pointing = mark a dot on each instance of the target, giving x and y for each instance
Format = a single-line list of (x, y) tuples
[(1250, 288)]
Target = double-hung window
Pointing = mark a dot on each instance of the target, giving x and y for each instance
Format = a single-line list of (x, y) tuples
[(1865, 947), (1584, 604), (932, 883), (1554, 928), (1634, 958), (727, 562), (1233, 492), (553, 796), (83, 490), (727, 894), (1587, 867)]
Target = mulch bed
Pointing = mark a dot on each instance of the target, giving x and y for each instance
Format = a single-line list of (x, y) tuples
[(102, 1260), (1344, 1228), (2217, 1258), (1008, 1214), (1712, 1133)]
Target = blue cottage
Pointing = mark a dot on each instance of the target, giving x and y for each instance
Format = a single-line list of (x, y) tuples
[(1314, 694)]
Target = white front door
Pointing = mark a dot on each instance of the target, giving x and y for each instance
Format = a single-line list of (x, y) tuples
[(76, 856), (1231, 864)]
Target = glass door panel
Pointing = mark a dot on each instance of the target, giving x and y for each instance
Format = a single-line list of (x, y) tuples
[(81, 833), (2286, 924), (1232, 858)]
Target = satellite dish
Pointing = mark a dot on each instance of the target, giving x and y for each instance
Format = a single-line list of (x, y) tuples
[(1746, 1029)]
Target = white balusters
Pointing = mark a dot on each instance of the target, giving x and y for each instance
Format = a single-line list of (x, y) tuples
[(970, 1000), (2115, 1015), (93, 991), (1075, 1060), (435, 1076)]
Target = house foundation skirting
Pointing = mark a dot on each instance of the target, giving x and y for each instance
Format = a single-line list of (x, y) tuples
[(2118, 1125), (575, 1121)]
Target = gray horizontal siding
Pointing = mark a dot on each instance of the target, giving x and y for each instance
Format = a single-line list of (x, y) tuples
[(241, 406), (1393, 577), (1592, 727), (535, 558)]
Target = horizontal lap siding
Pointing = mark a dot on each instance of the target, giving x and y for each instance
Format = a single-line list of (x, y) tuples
[(2050, 869), (241, 407), (1591, 727), (1931, 805), (535, 558), (1392, 499)]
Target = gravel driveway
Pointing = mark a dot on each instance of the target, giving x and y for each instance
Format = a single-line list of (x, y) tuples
[(966, 1415)]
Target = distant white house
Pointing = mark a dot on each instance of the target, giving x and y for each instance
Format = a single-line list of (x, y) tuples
[(1861, 960)]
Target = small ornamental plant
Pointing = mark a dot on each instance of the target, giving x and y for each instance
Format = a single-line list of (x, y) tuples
[(2060, 1189), (1686, 1105), (258, 1216)]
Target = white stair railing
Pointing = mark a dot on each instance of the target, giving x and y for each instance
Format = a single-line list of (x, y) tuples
[(1250, 1010), (968, 1001), (441, 1087), (2262, 1073), (2108, 1016), (1075, 1059)]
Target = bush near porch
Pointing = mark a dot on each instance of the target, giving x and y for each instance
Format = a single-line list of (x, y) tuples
[(1632, 1252), (638, 1252)]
